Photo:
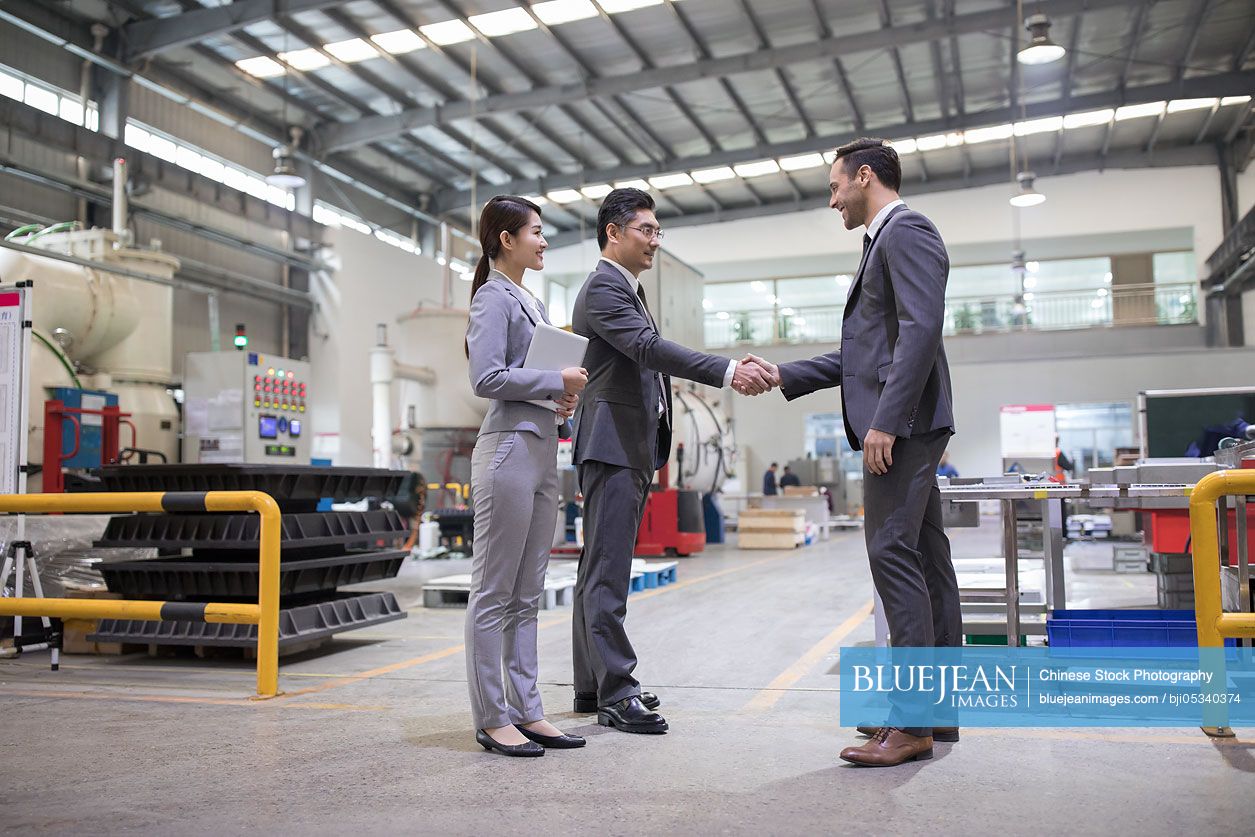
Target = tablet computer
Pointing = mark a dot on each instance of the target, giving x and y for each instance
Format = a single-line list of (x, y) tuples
[(554, 349)]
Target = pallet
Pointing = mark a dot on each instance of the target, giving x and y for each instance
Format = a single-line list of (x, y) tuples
[(769, 521), (647, 575), (769, 540), (455, 591)]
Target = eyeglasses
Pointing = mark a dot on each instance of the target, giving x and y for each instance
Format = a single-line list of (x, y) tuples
[(650, 232)]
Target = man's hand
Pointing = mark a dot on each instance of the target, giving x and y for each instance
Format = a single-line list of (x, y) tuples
[(574, 378), (750, 379), (567, 404), (773, 371), (878, 451)]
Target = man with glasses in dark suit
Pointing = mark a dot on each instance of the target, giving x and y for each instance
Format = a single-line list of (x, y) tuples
[(622, 435)]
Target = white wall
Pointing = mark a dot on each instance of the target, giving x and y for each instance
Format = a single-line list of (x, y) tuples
[(375, 283)]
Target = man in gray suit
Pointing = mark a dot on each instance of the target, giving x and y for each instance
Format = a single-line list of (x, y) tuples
[(896, 401), (622, 435)]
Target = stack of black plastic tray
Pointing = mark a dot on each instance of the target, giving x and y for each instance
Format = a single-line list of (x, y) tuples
[(214, 556)]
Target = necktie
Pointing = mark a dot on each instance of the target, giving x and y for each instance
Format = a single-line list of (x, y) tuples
[(867, 242), (662, 397)]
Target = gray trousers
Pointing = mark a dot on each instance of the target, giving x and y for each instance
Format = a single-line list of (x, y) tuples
[(514, 487), (909, 550), (614, 500)]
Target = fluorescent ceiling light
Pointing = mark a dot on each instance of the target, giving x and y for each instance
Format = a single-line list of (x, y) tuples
[(615, 6), (801, 161), (539, 200), (903, 146), (1039, 126), (632, 184), (11, 86), (704, 176), (757, 168), (352, 51), (597, 191), (305, 59), (1088, 118), (978, 135), (561, 196), (830, 157), (448, 32), (1234, 100), (670, 181), (931, 143), (504, 22), (261, 67), (1134, 111), (1177, 105), (398, 42), (555, 12)]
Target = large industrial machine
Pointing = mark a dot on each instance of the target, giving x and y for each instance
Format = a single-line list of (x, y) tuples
[(245, 407), (99, 330)]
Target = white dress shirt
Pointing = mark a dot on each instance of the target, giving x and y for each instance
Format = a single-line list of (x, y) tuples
[(635, 282), (881, 217)]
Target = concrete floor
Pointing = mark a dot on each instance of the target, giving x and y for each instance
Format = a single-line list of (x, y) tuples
[(373, 735)]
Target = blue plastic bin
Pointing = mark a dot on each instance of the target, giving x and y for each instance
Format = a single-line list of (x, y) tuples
[(1127, 628)]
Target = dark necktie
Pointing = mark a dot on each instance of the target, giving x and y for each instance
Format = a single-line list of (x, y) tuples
[(662, 398), (867, 242), (640, 294)]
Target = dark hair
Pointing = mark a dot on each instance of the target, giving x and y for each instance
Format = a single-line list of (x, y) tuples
[(503, 213), (619, 208), (775, 464), (877, 155)]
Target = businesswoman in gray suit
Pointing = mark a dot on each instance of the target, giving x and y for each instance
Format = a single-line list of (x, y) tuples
[(514, 484)]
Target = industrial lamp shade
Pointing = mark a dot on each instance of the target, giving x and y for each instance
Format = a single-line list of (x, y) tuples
[(285, 175), (1040, 49), (1027, 195)]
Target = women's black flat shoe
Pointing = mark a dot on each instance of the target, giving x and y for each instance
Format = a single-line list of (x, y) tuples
[(556, 742), (528, 749)]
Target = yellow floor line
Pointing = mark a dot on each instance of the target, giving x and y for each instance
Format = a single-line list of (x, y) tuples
[(180, 699), (766, 698)]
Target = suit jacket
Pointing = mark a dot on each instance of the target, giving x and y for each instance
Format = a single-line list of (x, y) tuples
[(891, 366), (500, 331), (629, 369)]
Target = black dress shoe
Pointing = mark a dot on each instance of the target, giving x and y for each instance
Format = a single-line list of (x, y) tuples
[(586, 702), (528, 749), (555, 742), (630, 715)]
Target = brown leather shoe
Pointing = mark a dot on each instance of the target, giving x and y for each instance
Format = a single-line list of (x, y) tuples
[(942, 735), (888, 748)]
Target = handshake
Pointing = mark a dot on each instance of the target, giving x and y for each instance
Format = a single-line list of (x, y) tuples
[(754, 376)]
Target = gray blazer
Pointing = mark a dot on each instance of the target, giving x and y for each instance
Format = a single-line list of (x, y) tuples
[(500, 331), (891, 366), (629, 367)]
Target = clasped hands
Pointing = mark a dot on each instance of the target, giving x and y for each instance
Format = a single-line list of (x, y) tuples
[(754, 376)]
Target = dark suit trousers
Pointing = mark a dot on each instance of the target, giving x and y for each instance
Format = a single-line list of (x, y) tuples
[(614, 501), (909, 550)]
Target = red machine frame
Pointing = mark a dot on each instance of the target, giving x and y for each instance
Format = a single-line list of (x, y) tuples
[(55, 414)]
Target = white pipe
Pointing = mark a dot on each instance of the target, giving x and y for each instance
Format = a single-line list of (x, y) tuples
[(384, 369), (120, 203)]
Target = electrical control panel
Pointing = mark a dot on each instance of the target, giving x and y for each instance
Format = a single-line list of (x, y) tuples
[(245, 407)]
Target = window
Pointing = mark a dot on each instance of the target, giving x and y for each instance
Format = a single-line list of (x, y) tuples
[(1173, 268), (1090, 433)]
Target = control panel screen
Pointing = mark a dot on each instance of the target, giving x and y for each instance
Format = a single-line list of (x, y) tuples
[(294, 428), (280, 450), (268, 427)]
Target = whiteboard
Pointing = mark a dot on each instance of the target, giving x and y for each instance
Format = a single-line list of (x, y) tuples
[(1028, 431), (14, 357)]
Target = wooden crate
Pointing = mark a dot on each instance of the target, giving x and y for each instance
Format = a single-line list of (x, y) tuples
[(790, 521), (800, 491)]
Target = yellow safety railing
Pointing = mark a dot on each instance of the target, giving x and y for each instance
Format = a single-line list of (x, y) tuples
[(1214, 626), (264, 614)]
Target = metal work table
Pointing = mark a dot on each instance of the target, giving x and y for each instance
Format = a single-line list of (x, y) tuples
[(1050, 496)]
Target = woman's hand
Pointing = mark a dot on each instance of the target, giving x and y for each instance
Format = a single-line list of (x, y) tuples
[(574, 378), (567, 404)]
